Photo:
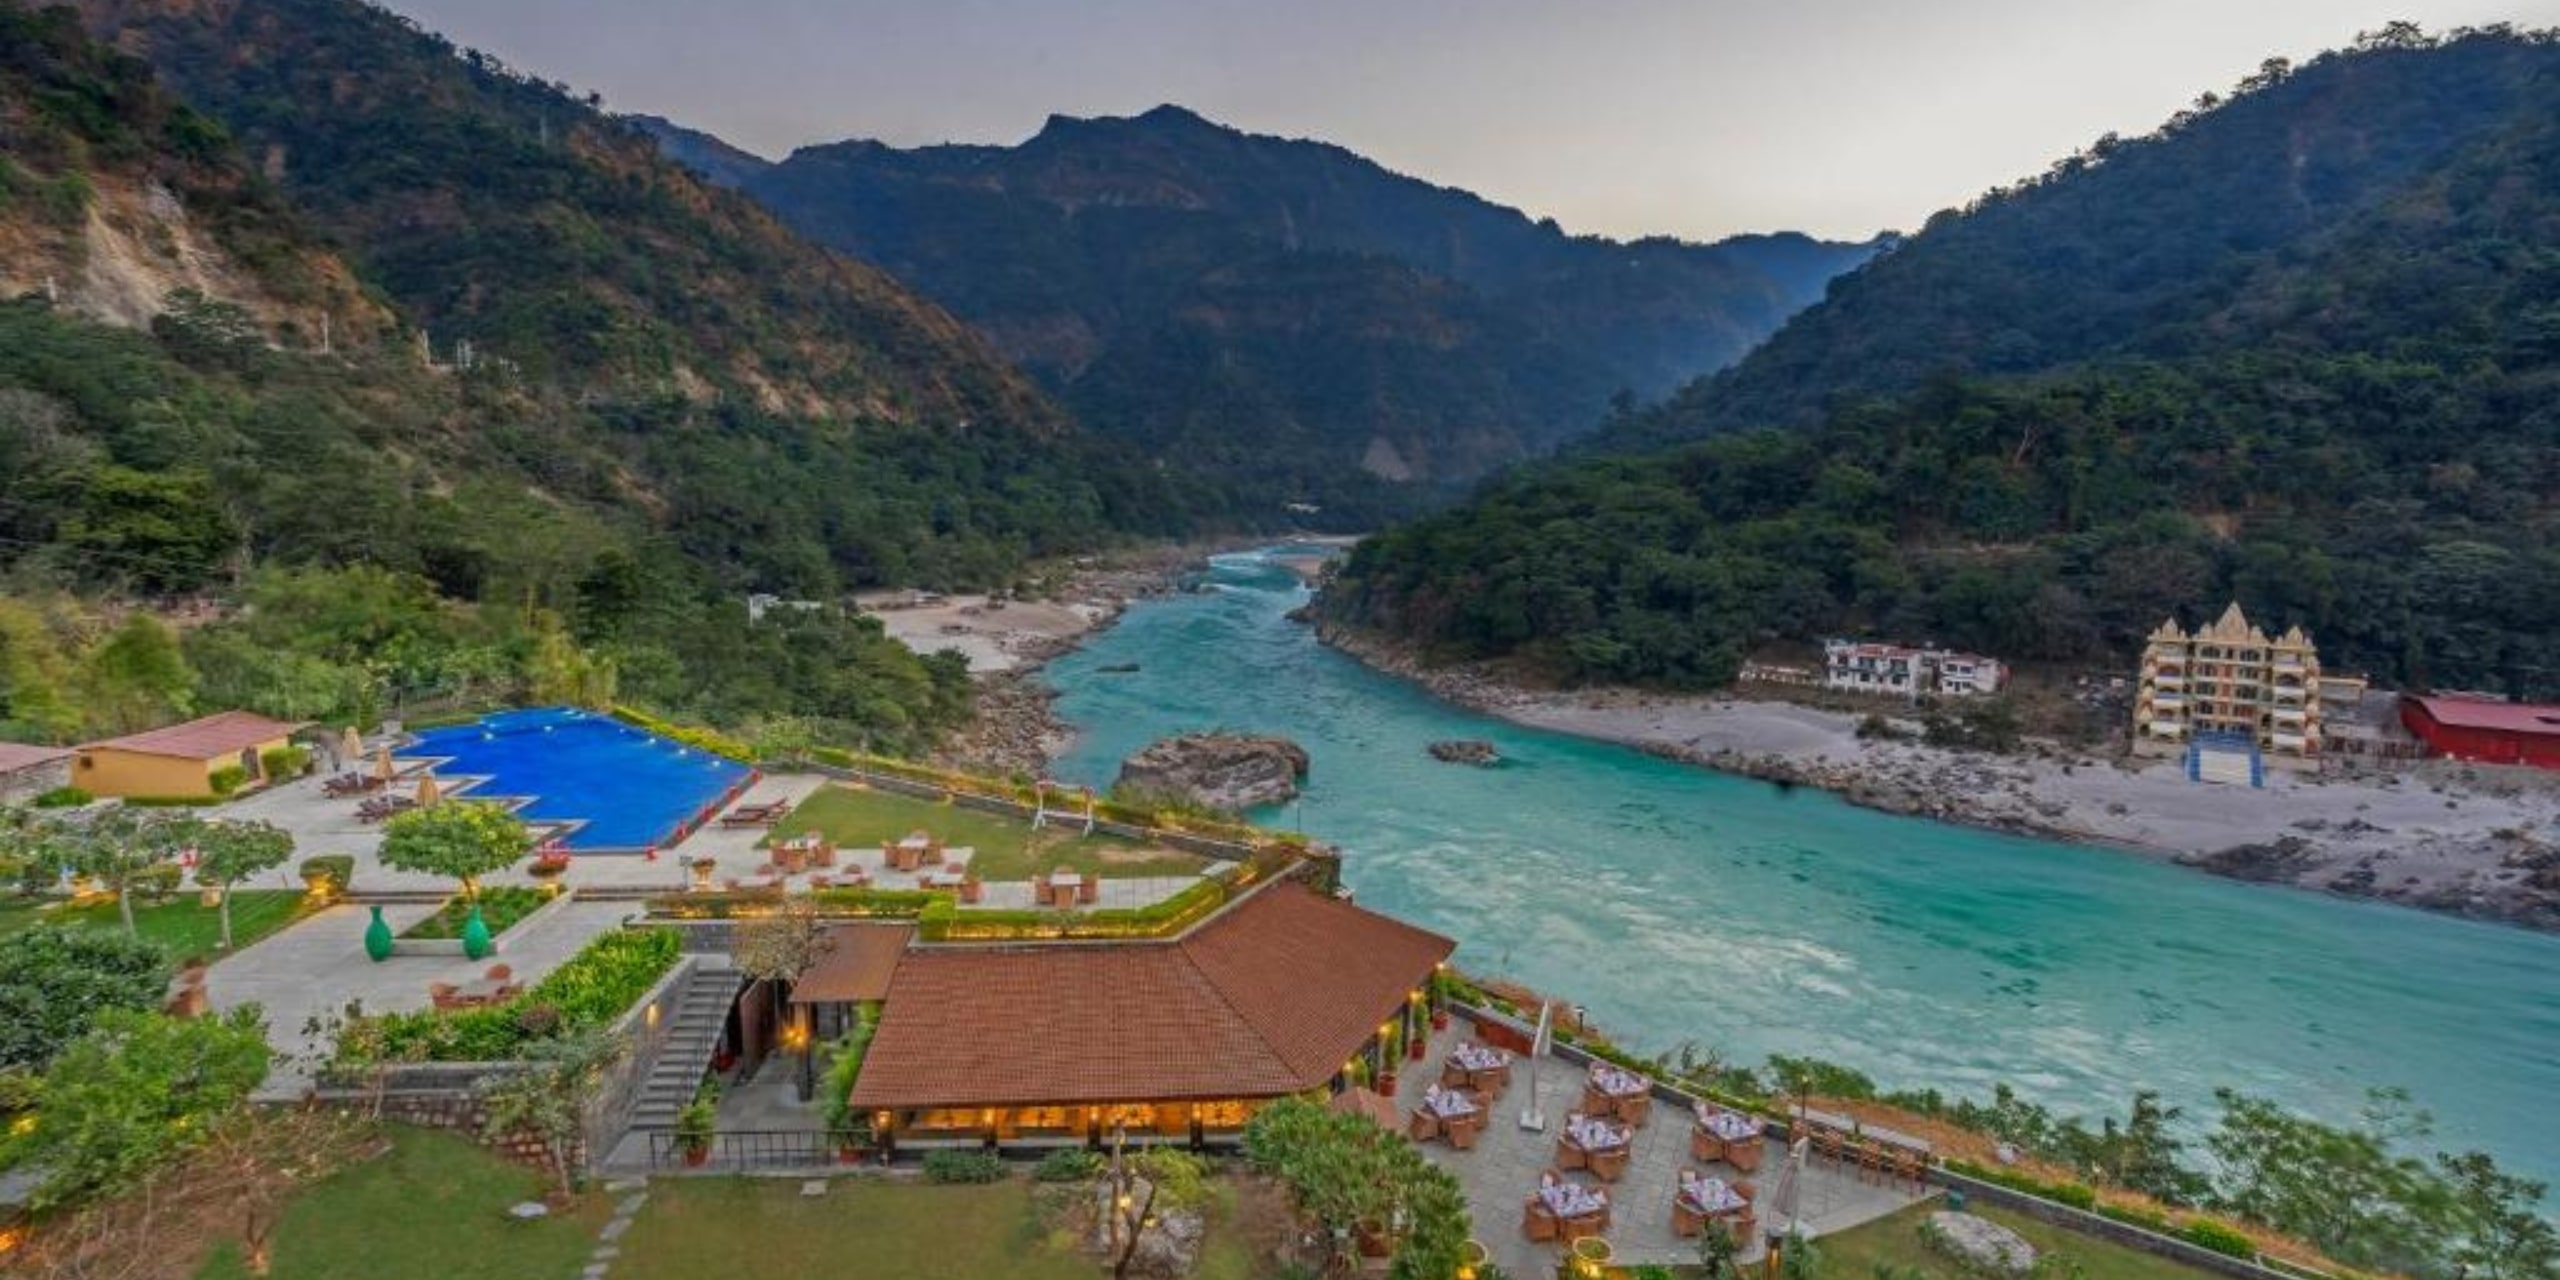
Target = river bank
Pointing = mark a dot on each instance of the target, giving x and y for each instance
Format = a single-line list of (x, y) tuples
[(2470, 841)]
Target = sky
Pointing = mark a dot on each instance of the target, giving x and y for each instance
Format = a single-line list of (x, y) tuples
[(1695, 118)]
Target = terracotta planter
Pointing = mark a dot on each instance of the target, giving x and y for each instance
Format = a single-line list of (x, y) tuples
[(1387, 1083), (1371, 1239), (1413, 1051), (696, 1157), (1439, 1019)]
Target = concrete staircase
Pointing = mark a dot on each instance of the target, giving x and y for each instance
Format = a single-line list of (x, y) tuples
[(701, 1008)]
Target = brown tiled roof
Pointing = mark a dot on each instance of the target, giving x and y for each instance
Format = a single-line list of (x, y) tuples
[(18, 755), (202, 739), (859, 960), (1271, 997)]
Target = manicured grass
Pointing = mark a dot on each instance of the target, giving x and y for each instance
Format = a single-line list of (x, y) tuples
[(1853, 1255), (501, 906), (434, 1208), (183, 926), (1003, 846), (862, 1229)]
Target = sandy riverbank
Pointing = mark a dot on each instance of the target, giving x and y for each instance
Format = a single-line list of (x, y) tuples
[(2481, 842), (1013, 730)]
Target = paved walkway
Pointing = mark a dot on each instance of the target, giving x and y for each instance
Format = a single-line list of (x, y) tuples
[(1504, 1166), (317, 967)]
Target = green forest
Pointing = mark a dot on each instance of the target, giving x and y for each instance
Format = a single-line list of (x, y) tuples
[(2359, 433), (345, 532)]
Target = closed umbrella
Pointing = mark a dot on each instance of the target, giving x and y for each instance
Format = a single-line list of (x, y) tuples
[(1788, 1200), (427, 790), (1531, 1118), (382, 770), (350, 745)]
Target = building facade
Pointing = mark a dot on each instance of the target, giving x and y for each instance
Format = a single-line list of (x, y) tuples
[(2485, 731), (179, 761), (1899, 671), (2229, 681)]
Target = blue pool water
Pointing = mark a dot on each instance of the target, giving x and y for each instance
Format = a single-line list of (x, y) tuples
[(630, 787)]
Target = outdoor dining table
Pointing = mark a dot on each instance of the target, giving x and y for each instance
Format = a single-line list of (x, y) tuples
[(1579, 1210), (945, 878), (1473, 1066), (1455, 1116), (1623, 1094), (1062, 888), (1589, 1142), (1729, 1136), (1701, 1200)]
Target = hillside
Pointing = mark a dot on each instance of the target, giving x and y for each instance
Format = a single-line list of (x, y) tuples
[(1299, 319), (2350, 425), (644, 400)]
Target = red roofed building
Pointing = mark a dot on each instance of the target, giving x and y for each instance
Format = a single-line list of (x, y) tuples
[(2485, 731), (27, 771), (1176, 1040), (181, 760)]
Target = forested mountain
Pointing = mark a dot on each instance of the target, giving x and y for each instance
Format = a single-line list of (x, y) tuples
[(2296, 347), (1287, 313), (666, 399)]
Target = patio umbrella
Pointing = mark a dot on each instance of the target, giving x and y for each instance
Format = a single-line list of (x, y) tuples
[(351, 745), (1531, 1118), (382, 770), (427, 790)]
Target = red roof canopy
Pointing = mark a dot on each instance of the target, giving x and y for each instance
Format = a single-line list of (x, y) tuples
[(203, 739), (2480, 713), (1271, 997), (18, 755)]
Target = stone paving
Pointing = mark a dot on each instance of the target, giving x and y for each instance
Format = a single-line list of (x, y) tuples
[(318, 966), (1503, 1169)]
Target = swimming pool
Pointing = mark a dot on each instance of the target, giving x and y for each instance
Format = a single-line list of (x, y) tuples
[(629, 788)]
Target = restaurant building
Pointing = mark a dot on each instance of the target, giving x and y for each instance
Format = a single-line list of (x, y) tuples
[(1175, 1040), (179, 761), (2485, 731)]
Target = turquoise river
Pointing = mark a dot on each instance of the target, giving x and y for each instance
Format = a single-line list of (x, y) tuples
[(1683, 905)]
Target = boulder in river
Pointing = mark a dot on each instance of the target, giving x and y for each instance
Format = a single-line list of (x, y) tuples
[(1222, 770), (1475, 751)]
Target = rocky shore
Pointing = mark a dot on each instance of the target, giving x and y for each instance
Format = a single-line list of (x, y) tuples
[(2471, 841)]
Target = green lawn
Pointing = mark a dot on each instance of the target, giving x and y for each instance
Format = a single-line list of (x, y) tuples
[(1003, 845), (1853, 1255), (435, 1208), (182, 925)]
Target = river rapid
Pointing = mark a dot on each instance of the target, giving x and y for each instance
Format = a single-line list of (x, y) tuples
[(1680, 904)]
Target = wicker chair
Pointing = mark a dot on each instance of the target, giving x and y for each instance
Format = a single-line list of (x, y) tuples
[(1609, 1166), (1536, 1221), (1704, 1147), (1569, 1156)]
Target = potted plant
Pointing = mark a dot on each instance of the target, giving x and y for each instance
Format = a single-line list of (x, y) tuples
[(971, 890), (695, 1125), (1441, 992), (547, 868)]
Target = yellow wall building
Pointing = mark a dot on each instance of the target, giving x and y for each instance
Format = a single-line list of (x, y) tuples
[(2229, 678), (179, 760)]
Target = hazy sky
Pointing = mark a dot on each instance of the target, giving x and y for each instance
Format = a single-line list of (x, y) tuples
[(1697, 118)]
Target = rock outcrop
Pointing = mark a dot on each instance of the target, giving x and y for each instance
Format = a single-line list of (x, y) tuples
[(1474, 751), (1222, 770), (1979, 1245)]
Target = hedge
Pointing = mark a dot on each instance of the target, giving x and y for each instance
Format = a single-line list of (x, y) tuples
[(888, 904), (711, 740), (2077, 1195), (944, 921), (595, 986), (2205, 1233)]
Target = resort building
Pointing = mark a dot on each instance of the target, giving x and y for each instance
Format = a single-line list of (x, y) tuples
[(1176, 1040), (2231, 685), (179, 761), (2485, 731), (1899, 671), (27, 772)]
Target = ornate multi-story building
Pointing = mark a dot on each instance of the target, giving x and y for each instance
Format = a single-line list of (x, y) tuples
[(2230, 682)]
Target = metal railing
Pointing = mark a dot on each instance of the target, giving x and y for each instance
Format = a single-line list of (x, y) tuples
[(740, 1149)]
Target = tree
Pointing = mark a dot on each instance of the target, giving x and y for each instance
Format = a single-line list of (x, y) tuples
[(1141, 1189), (230, 852), (464, 839), (119, 846), (138, 678), (2501, 1233), (547, 1101), (54, 983), (135, 1091), (776, 949)]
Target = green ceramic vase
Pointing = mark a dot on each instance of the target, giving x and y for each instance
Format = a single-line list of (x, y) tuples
[(475, 936), (377, 937)]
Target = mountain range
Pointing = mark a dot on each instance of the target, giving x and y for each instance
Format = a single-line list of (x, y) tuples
[(2295, 347), (1296, 320)]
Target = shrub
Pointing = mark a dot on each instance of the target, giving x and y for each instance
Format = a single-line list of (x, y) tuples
[(156, 883), (330, 873), (227, 779), (62, 798), (962, 1166), (1069, 1165), (596, 986), (281, 763), (2138, 1217), (2208, 1234)]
